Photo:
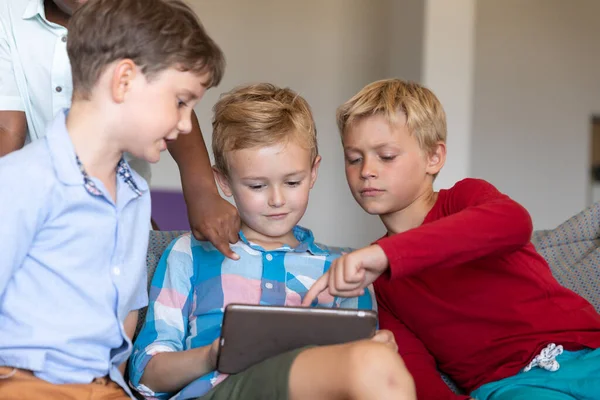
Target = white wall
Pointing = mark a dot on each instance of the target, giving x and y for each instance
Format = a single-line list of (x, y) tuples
[(537, 82), (519, 81), (448, 47), (326, 50), (406, 20)]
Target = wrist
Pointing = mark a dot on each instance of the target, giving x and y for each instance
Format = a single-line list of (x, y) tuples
[(381, 257), (205, 356), (212, 356)]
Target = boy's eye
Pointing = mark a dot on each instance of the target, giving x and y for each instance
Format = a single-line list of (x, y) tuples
[(353, 161), (293, 183), (388, 158), (181, 104), (256, 187)]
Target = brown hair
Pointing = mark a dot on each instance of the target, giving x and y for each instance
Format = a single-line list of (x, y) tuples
[(425, 116), (261, 115), (155, 34)]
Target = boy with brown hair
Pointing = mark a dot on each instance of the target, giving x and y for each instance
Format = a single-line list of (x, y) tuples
[(75, 217), (456, 277), (266, 156), (36, 83)]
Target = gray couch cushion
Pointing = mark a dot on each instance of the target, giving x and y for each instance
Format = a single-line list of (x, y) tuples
[(158, 243), (573, 253)]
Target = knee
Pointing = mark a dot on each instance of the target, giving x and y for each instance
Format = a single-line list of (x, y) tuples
[(375, 368)]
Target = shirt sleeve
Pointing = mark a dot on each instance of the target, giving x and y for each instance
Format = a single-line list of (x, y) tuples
[(10, 98), (480, 221), (141, 291), (366, 301), (418, 360), (166, 325), (24, 204)]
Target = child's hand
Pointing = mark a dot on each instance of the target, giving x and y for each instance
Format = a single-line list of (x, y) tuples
[(213, 352), (350, 274), (386, 337)]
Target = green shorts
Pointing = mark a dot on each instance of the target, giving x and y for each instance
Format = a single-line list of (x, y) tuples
[(264, 381)]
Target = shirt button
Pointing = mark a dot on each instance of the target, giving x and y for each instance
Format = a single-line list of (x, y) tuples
[(116, 271), (269, 257), (64, 39), (269, 285), (58, 89)]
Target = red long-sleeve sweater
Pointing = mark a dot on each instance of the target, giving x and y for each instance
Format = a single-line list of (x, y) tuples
[(467, 292)]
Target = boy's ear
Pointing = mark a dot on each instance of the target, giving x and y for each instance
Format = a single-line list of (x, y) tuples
[(314, 172), (222, 181), (436, 159), (123, 75)]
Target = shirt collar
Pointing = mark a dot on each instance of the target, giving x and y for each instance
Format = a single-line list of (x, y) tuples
[(123, 171), (34, 8), (303, 236), (69, 169)]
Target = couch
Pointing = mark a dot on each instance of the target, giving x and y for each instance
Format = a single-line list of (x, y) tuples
[(572, 250)]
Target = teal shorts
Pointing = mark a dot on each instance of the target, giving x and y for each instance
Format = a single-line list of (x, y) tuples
[(578, 378)]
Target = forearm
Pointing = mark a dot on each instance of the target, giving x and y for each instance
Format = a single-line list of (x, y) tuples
[(493, 228), (13, 129), (211, 217), (171, 371), (190, 154)]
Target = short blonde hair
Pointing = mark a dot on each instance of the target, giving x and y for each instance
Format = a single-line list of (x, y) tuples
[(425, 116), (261, 115)]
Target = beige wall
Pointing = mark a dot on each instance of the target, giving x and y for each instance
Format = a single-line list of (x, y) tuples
[(448, 48), (326, 50), (537, 82), (519, 80)]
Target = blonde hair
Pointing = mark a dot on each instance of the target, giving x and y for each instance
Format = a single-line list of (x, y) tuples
[(154, 34), (261, 115), (425, 116)]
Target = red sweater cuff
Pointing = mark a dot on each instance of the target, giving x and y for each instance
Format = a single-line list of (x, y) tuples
[(391, 252)]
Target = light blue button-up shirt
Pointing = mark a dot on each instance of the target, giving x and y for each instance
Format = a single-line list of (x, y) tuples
[(72, 262), (35, 72)]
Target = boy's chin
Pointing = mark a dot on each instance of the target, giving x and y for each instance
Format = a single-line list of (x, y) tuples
[(154, 158), (150, 156), (375, 212), (375, 209)]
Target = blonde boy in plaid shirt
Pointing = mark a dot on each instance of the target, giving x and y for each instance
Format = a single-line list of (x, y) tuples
[(266, 156)]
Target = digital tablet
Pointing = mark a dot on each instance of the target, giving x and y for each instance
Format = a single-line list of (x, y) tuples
[(251, 334)]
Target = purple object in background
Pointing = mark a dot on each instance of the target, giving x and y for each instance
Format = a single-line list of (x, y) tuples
[(169, 210)]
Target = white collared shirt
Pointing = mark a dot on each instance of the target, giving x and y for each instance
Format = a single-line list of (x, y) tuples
[(35, 72)]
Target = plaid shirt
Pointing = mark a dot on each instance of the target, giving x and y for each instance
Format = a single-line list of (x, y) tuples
[(194, 283)]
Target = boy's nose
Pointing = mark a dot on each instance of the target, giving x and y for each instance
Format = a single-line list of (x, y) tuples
[(276, 198), (185, 124), (368, 170)]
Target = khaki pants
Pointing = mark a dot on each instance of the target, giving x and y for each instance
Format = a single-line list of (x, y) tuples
[(18, 384)]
